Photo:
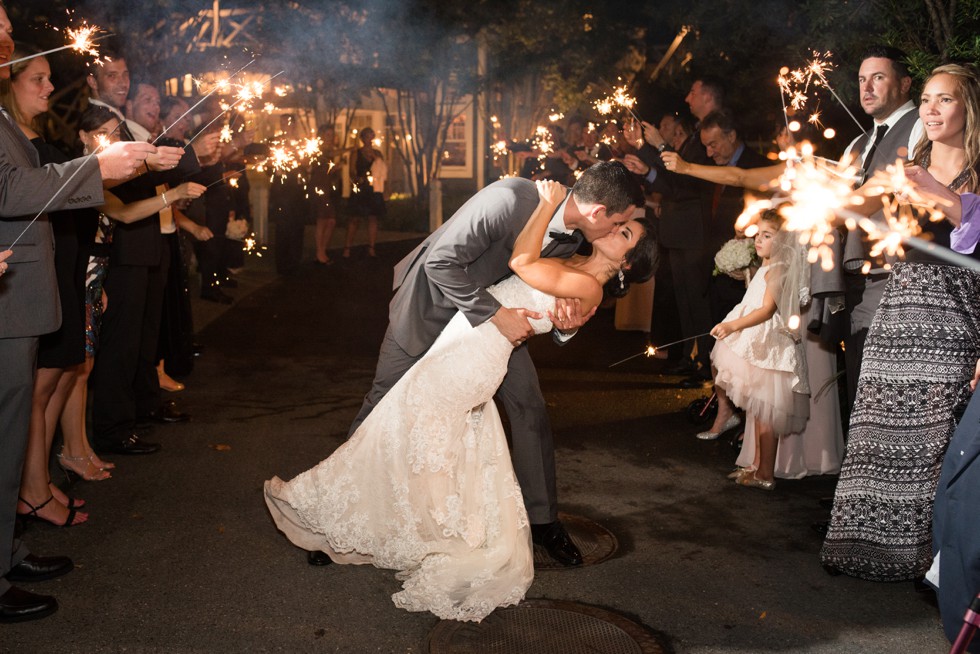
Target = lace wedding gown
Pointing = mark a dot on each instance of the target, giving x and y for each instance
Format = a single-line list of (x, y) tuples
[(425, 485)]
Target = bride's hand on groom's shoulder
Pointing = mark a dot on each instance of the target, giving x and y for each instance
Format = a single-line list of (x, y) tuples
[(567, 316), (513, 323), (550, 191)]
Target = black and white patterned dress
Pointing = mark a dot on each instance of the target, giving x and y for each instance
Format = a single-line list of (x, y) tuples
[(921, 352)]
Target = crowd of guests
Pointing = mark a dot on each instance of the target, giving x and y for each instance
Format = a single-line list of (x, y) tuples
[(106, 281), (907, 331)]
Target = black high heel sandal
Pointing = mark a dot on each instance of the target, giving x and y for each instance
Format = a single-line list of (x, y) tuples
[(32, 514)]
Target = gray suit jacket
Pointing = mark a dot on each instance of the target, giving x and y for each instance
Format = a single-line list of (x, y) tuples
[(28, 291), (451, 269)]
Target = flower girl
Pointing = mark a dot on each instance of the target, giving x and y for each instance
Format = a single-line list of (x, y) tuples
[(758, 359)]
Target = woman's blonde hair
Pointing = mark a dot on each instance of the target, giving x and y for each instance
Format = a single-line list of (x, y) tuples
[(7, 98), (968, 89)]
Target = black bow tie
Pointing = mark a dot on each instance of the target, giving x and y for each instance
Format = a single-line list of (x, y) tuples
[(562, 237)]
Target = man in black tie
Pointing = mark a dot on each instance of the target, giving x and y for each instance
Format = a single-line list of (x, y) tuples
[(450, 271), (885, 87), (126, 387)]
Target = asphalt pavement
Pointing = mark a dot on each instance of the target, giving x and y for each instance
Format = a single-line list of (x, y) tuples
[(180, 555)]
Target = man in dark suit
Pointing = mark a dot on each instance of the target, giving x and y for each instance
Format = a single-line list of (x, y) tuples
[(126, 387), (725, 147), (450, 271), (684, 225), (29, 307)]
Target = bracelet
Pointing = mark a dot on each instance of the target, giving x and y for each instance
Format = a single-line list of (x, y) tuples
[(662, 147), (163, 196)]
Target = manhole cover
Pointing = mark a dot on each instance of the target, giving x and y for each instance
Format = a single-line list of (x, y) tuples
[(595, 542), (544, 627)]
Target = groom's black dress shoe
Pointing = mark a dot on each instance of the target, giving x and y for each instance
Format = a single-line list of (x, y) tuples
[(553, 537), (40, 568), (316, 557), (18, 605)]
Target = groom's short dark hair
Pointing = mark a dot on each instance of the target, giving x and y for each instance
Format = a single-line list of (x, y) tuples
[(610, 184)]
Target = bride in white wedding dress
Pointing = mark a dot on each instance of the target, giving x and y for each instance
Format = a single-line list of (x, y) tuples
[(425, 486)]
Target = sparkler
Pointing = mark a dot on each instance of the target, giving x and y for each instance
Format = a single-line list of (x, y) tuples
[(817, 67), (620, 98), (223, 84), (81, 41), (251, 246), (819, 198), (651, 350), (246, 94), (233, 179)]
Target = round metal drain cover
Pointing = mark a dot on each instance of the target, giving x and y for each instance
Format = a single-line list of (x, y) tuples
[(595, 542), (544, 627)]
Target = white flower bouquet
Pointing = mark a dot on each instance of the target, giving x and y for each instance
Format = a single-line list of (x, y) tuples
[(735, 258)]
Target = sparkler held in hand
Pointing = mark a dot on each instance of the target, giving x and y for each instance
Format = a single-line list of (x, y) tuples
[(651, 350), (246, 94), (219, 85), (135, 152), (81, 41)]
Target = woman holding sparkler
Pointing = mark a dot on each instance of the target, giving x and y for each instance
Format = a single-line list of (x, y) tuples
[(920, 356), (25, 97), (67, 398), (425, 485)]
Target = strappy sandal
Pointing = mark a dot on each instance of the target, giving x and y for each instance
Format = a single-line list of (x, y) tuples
[(32, 514), (83, 467)]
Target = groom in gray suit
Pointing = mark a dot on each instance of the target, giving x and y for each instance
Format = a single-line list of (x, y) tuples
[(450, 271), (29, 307)]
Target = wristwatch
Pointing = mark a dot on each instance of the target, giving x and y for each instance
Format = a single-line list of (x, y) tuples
[(663, 146)]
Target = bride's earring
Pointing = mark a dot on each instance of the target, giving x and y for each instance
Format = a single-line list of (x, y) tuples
[(622, 279)]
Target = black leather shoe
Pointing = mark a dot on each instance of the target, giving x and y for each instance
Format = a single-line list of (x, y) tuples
[(821, 527), (215, 295), (18, 605), (316, 557), (167, 413), (132, 444), (553, 537), (40, 568), (197, 349)]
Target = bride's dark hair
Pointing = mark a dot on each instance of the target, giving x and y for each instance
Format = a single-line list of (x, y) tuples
[(642, 262)]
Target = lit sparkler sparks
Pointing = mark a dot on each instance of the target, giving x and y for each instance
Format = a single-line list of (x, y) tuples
[(818, 68), (223, 85), (243, 96), (251, 246), (651, 350), (819, 197), (82, 40)]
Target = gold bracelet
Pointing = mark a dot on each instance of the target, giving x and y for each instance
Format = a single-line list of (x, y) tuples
[(163, 196)]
